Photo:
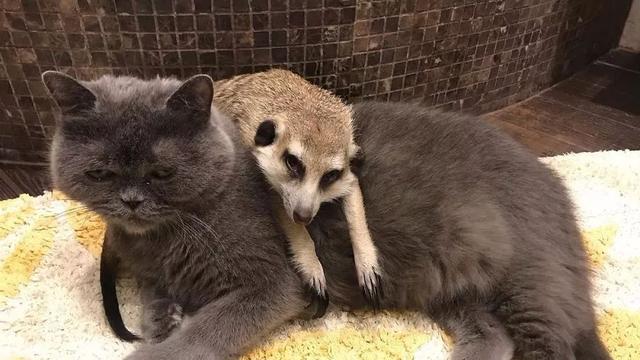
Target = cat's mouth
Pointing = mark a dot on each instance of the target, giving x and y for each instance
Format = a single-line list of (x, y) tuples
[(135, 218), (137, 225)]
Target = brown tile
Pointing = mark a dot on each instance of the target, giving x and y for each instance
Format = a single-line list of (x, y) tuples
[(185, 23)]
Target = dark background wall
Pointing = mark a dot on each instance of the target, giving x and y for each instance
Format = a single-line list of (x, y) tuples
[(458, 54)]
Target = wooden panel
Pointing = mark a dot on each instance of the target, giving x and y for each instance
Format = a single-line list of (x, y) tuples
[(539, 143), (16, 180), (569, 94)]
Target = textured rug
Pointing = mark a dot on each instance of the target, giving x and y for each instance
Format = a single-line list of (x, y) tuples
[(50, 303)]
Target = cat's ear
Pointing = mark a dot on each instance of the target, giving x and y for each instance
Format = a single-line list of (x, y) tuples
[(196, 94), (71, 96)]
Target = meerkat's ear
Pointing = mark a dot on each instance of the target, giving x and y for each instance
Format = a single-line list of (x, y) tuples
[(266, 133), (354, 150), (356, 158)]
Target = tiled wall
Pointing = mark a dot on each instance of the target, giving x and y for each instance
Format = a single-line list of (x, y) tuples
[(468, 54)]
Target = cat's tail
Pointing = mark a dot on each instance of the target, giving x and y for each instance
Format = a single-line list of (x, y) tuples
[(110, 301), (589, 347)]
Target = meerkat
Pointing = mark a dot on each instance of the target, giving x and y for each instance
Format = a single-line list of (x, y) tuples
[(302, 138)]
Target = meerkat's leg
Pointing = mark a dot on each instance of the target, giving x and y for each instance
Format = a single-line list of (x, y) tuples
[(365, 252), (304, 257)]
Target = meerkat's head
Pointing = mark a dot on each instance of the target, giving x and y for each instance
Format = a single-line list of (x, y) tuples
[(305, 155)]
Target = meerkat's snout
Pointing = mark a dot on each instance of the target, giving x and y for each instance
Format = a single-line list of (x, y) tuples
[(301, 202), (305, 208), (302, 215)]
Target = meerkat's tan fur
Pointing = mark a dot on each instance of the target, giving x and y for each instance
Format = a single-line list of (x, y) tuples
[(316, 127)]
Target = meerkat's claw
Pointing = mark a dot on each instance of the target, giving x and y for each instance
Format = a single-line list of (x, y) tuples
[(318, 305), (371, 284), (315, 284), (313, 275), (318, 285)]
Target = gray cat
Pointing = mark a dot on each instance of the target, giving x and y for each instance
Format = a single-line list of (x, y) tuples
[(186, 211), (471, 229)]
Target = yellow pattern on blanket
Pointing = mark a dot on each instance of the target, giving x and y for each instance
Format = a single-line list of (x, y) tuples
[(50, 303)]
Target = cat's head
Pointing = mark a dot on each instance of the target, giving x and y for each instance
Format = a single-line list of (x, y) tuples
[(137, 152)]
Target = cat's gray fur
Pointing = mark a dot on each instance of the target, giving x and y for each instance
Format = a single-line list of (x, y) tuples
[(203, 240), (473, 230)]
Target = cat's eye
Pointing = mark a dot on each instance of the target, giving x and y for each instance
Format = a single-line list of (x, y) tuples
[(330, 177), (100, 174), (161, 174), (294, 165)]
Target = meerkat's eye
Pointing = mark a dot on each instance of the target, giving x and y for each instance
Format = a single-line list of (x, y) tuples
[(330, 177), (294, 165), (266, 133)]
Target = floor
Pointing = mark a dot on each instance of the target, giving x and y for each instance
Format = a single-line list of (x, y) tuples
[(18, 179), (596, 109)]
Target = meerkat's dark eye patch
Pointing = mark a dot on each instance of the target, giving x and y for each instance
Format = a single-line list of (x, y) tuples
[(330, 177), (294, 165), (266, 133)]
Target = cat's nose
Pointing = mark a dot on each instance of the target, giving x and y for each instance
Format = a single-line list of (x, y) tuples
[(131, 198), (132, 204)]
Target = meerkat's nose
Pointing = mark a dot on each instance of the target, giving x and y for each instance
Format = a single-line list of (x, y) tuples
[(302, 217)]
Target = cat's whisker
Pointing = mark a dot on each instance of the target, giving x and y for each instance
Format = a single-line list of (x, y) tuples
[(189, 230), (81, 210), (206, 226), (201, 223)]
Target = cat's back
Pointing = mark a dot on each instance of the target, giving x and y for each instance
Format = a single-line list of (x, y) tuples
[(447, 155), (434, 139), (451, 202)]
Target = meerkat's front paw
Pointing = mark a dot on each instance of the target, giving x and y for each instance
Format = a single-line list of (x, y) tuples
[(370, 280), (313, 274), (318, 305), (316, 283)]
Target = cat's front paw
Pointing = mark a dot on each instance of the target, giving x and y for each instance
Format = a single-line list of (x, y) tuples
[(160, 319)]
